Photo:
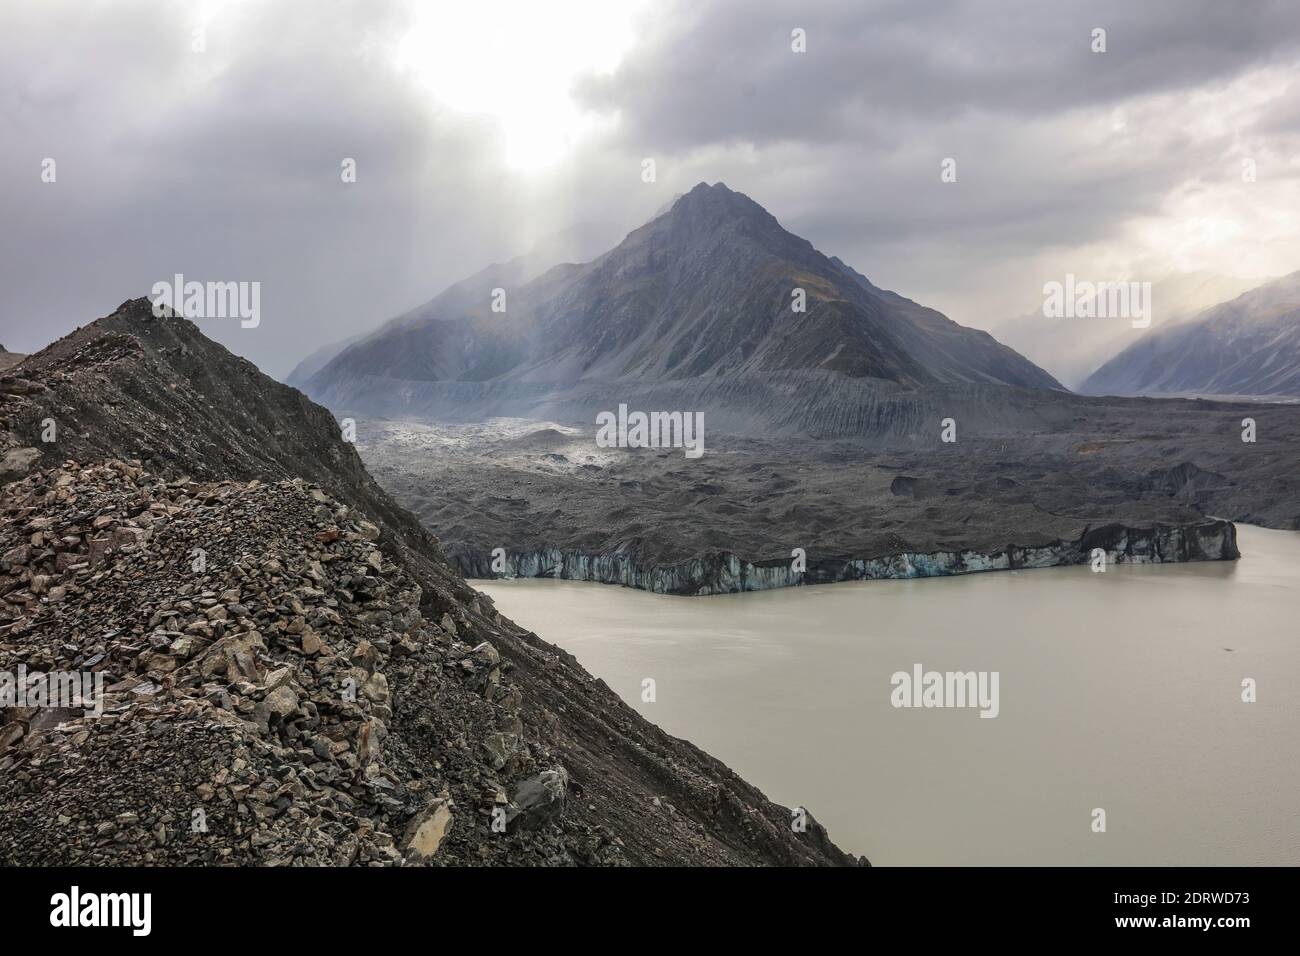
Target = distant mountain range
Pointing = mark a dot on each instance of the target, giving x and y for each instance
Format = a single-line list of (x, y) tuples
[(1247, 346), (697, 306), (1072, 348), (9, 359)]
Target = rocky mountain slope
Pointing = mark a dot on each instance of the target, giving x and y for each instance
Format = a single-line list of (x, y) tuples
[(1247, 346), (699, 302), (323, 686)]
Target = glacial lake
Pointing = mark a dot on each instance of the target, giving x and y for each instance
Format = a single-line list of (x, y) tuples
[(1120, 691)]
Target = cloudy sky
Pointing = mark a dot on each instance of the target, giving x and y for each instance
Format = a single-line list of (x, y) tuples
[(206, 137)]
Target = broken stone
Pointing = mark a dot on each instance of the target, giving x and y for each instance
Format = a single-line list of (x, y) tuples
[(426, 831), (539, 800)]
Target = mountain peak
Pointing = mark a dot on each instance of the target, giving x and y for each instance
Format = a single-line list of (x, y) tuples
[(717, 198), (719, 188), (707, 208)]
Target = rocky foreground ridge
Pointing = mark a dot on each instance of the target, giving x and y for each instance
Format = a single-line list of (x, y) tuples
[(293, 674)]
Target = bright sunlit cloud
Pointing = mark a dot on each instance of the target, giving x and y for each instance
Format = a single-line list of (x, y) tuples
[(516, 61)]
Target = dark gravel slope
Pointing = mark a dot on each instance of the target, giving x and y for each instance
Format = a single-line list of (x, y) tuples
[(131, 386)]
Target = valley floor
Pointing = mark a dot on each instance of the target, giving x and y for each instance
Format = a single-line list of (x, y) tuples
[(741, 516)]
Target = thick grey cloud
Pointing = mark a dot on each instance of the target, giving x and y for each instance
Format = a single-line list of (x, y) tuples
[(725, 70), (1059, 149), (225, 164)]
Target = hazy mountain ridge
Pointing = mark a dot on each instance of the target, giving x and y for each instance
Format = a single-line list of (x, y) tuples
[(1072, 348), (1247, 346), (9, 359), (579, 243)]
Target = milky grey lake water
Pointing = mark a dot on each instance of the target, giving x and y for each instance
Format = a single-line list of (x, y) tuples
[(1120, 691)]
